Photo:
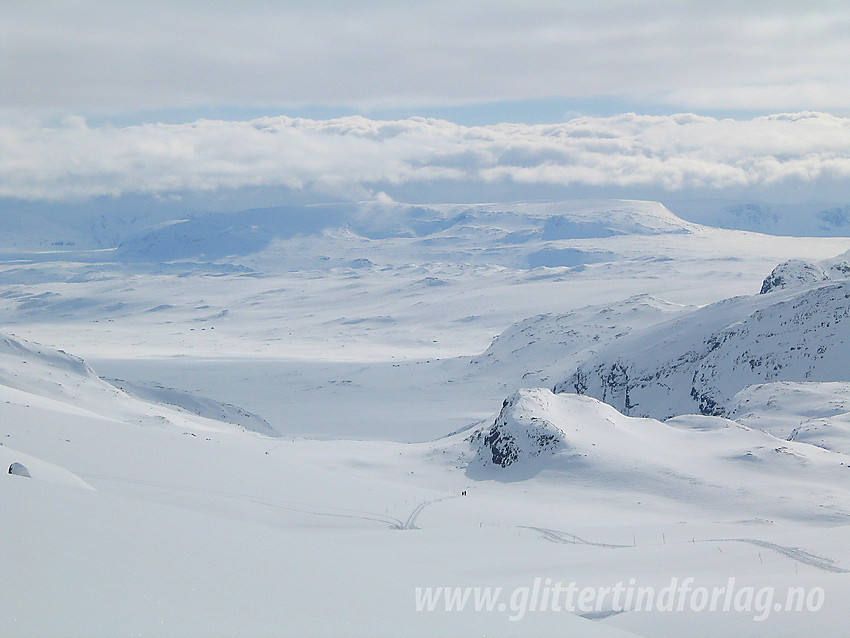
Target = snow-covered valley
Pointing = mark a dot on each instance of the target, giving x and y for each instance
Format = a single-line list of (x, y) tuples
[(284, 422)]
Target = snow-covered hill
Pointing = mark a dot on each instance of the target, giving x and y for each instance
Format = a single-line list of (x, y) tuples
[(538, 349), (36, 375), (586, 443), (810, 412), (800, 272)]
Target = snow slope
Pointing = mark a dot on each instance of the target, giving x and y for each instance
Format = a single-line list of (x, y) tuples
[(811, 412), (37, 376), (201, 406)]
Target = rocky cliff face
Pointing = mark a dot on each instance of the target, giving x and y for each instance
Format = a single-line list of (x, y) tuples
[(519, 434), (793, 273)]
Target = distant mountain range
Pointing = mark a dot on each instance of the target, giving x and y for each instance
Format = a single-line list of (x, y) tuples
[(152, 229), (814, 219)]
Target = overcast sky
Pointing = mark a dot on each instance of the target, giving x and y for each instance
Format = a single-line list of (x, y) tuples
[(94, 57), (125, 67)]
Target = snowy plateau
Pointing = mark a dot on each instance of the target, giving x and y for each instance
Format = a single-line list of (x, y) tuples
[(283, 422)]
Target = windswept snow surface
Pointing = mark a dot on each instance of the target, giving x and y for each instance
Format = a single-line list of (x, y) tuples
[(305, 399)]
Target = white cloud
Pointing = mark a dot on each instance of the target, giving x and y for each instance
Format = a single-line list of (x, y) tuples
[(351, 156), (93, 56)]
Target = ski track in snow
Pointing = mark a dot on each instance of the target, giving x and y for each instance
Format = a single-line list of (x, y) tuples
[(291, 506), (794, 553), (568, 539), (410, 523)]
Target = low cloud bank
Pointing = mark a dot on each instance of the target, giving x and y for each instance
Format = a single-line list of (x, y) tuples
[(354, 156)]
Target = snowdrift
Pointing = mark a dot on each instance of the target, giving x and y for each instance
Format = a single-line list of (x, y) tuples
[(22, 465)]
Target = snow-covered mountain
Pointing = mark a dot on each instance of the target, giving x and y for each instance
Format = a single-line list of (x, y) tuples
[(528, 234), (139, 223), (69, 227), (699, 361)]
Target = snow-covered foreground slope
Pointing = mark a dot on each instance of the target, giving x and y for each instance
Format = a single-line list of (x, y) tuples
[(195, 526)]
